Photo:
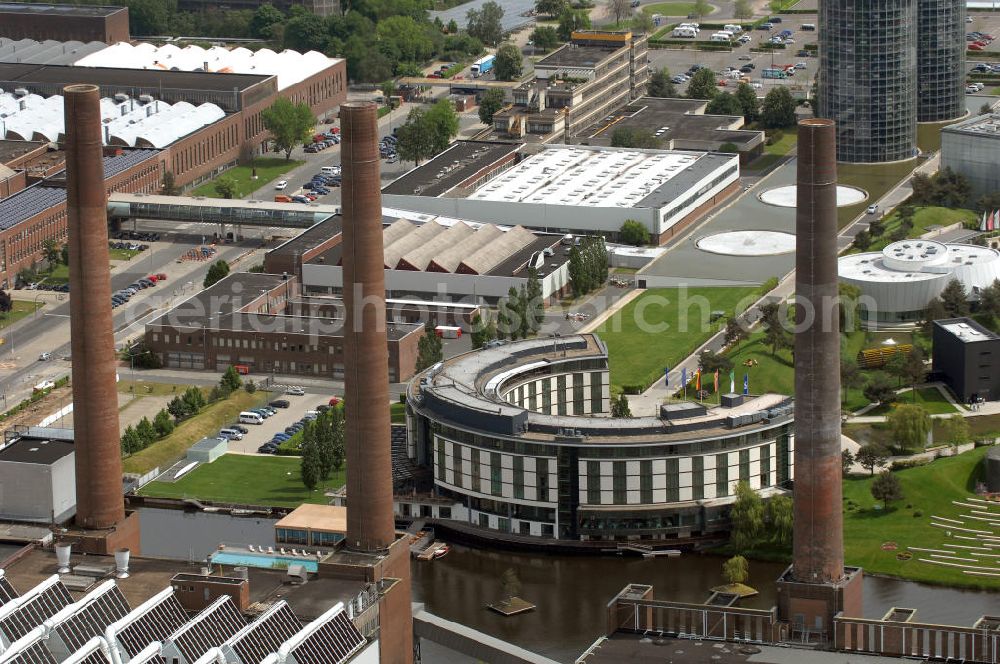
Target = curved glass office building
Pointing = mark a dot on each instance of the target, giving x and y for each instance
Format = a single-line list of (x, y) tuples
[(941, 48), (520, 445), (868, 77)]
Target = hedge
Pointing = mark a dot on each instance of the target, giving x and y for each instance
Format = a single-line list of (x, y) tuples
[(982, 55), (35, 397), (698, 46)]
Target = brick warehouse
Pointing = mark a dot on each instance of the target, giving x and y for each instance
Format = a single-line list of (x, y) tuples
[(63, 22), (251, 319)]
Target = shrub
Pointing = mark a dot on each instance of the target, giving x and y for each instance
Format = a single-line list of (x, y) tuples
[(917, 513), (632, 389), (903, 464)]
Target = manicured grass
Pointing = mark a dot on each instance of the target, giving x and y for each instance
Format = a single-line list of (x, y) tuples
[(876, 179), (663, 326), (19, 309), (923, 218), (123, 254), (245, 479), (149, 388), (268, 169), (775, 372), (785, 143), (397, 413), (168, 450), (928, 489), (670, 8), (928, 398)]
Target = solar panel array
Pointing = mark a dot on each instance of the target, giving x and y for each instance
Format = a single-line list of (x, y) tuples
[(159, 629), (266, 634), (214, 625), (334, 641), (26, 203), (98, 610)]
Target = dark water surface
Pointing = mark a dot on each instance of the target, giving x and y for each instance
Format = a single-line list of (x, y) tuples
[(571, 592)]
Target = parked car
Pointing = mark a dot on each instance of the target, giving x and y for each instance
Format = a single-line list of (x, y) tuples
[(267, 448), (295, 391), (281, 184), (280, 403), (239, 427), (765, 26), (45, 357), (872, 209)]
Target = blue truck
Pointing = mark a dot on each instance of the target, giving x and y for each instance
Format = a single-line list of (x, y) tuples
[(482, 65)]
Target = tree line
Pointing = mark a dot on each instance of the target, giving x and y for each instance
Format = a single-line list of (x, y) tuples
[(322, 447)]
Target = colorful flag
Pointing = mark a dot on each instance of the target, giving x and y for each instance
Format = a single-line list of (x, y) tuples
[(982, 224), (715, 382), (684, 377), (990, 222), (746, 383), (732, 381), (697, 378)]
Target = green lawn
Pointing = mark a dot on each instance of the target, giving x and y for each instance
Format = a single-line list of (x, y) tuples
[(928, 490), (397, 412), (268, 169), (123, 254), (785, 143), (190, 431), (923, 218), (19, 310), (929, 398), (670, 8), (245, 479), (663, 326), (876, 179), (774, 372)]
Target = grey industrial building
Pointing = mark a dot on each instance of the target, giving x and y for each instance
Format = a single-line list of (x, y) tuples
[(972, 148), (967, 358), (884, 66), (37, 475)]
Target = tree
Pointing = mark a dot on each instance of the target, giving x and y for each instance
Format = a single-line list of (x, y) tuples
[(216, 272), (989, 299), (628, 137), (162, 423), (130, 442), (401, 39), (492, 102), (550, 8), (642, 22), (507, 66), (250, 387), (702, 85), (778, 109), (660, 84), (876, 227), (879, 390), (935, 311), (955, 430), (633, 232), (178, 408), (485, 23), (414, 142), (872, 456), (850, 375), (742, 9), (429, 348), (775, 334), (545, 37), (150, 17), (304, 33), (955, 299), (570, 21), (265, 22), (620, 407), (230, 380), (749, 104), (701, 8), (848, 306), (225, 186), (913, 369), (862, 240), (736, 570), (735, 332), (6, 302), (746, 517), (289, 124), (709, 362), (534, 305), (484, 329), (146, 432), (618, 9), (887, 488), (64, 254), (780, 518), (910, 425), (510, 583), (169, 186), (452, 27), (50, 251), (442, 123), (724, 104), (846, 461), (309, 465)]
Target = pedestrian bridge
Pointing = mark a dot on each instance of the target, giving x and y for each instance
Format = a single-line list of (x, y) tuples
[(122, 206)]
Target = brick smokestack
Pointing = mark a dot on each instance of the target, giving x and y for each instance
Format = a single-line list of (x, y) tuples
[(818, 546), (370, 524), (99, 502)]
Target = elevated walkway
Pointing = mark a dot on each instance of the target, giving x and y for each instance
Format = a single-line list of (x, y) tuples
[(263, 214)]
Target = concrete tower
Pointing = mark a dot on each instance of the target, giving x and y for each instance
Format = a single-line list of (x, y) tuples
[(370, 523), (817, 585)]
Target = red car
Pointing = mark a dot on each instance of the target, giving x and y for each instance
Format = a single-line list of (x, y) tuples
[(976, 47), (334, 401), (161, 276)]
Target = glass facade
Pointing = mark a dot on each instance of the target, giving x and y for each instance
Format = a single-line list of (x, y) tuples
[(940, 60), (868, 77)]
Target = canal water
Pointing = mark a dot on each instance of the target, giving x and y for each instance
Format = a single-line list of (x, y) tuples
[(571, 592)]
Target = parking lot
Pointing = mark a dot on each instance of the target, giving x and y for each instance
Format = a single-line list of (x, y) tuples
[(262, 433), (679, 61)]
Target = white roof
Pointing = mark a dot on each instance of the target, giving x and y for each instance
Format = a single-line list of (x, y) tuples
[(914, 260), (130, 123), (290, 67), (593, 177)]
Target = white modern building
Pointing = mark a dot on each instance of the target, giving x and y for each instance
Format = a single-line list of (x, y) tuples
[(897, 283), (576, 189)]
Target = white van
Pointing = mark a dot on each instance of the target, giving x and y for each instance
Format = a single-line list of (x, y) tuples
[(250, 418), (230, 434), (330, 170), (733, 28), (721, 37), (696, 26), (687, 33)]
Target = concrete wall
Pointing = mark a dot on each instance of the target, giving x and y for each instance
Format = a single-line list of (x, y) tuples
[(37, 492)]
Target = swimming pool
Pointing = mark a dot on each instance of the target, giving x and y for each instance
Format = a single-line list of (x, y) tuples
[(265, 561)]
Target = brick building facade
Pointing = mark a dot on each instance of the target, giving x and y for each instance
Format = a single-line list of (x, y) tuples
[(64, 22)]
